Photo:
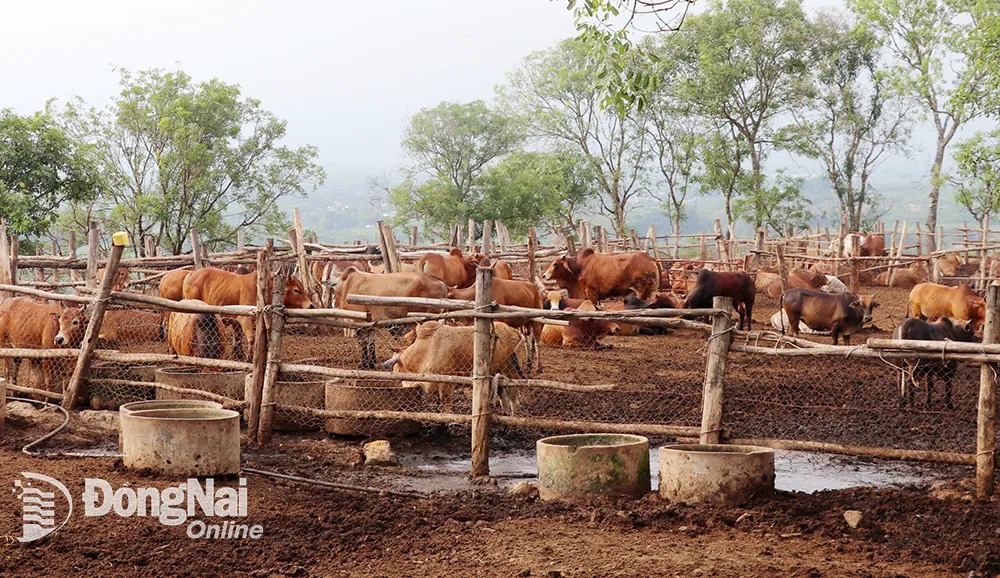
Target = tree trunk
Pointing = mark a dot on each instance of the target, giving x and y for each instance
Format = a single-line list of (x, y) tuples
[(932, 206)]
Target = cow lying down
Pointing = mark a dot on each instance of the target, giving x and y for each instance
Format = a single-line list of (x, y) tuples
[(780, 321), (447, 350)]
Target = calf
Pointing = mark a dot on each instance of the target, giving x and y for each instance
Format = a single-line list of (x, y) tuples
[(842, 315), (29, 324), (658, 301), (945, 329), (737, 285), (932, 301), (442, 349), (580, 333)]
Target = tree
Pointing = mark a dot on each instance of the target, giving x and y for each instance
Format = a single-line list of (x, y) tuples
[(780, 206), (554, 91), (723, 155), (676, 140), (746, 68), (937, 61), (41, 167), (854, 118), (978, 162), (450, 146), (177, 155)]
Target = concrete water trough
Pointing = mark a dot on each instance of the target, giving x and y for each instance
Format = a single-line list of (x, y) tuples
[(726, 475), (227, 382), (296, 389), (181, 441), (373, 396), (583, 466), (168, 404)]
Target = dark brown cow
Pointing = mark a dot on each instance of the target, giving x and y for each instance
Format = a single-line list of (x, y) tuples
[(658, 301), (841, 314), (593, 276), (932, 301), (737, 285), (455, 269), (354, 282), (29, 324), (927, 370), (218, 287)]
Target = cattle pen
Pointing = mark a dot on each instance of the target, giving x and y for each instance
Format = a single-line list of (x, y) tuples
[(701, 381)]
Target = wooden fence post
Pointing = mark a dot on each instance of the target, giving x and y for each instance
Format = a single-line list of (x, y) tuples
[(704, 249), (487, 246), (74, 275), (93, 242), (758, 248), (82, 370), (6, 274), (981, 282), (241, 242), (604, 241), (305, 273), (472, 236), (986, 420), (719, 239), (268, 392), (899, 253), (570, 244), (196, 250), (920, 239), (413, 236), (532, 247), (855, 265), (965, 242), (390, 258), (779, 251), (651, 235), (15, 250), (482, 361), (715, 372), (259, 354)]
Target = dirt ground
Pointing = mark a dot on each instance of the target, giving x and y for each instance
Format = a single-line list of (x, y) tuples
[(313, 531)]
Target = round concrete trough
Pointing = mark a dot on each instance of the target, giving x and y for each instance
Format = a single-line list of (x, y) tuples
[(300, 390), (726, 475), (369, 397), (582, 466), (168, 404), (182, 441), (225, 382)]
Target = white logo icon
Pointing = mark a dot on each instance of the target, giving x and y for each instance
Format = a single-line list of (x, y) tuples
[(38, 506)]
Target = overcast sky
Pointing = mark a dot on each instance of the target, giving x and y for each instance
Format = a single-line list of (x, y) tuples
[(346, 75)]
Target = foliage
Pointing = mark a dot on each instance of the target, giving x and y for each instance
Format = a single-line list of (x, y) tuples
[(779, 207), (177, 155), (556, 93), (41, 167), (978, 162), (855, 117)]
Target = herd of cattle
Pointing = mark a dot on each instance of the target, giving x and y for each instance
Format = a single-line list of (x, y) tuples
[(810, 301)]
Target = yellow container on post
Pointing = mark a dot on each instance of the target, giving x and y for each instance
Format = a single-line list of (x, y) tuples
[(120, 239)]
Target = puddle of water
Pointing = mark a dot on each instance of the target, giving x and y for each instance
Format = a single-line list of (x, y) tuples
[(794, 471)]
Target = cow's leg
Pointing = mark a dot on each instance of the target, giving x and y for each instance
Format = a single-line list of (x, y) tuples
[(366, 339), (445, 393), (793, 324), (902, 387)]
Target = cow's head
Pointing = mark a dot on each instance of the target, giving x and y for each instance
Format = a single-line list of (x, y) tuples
[(962, 330), (947, 265), (864, 304), (72, 325), (561, 270), (295, 295), (977, 312), (554, 300), (632, 301)]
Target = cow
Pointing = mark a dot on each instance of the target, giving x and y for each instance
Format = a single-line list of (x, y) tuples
[(833, 285), (769, 284), (869, 245), (947, 264), (502, 270), (680, 279), (172, 284), (944, 329), (329, 272), (842, 315), (120, 280), (580, 333), (558, 300), (805, 279), (354, 282), (437, 348), (593, 276), (513, 293), (907, 278), (932, 301), (132, 326), (658, 301), (455, 269), (218, 287), (780, 320), (737, 285), (29, 324), (197, 334)]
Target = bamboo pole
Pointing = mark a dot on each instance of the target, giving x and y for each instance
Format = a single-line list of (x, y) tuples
[(482, 359), (715, 373), (93, 240), (852, 450), (987, 407), (82, 370), (196, 250), (259, 354), (271, 370)]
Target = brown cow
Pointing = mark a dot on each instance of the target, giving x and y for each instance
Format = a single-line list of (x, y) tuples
[(842, 314), (947, 264), (197, 334), (805, 279), (132, 326), (580, 333), (455, 269), (29, 324), (593, 276), (330, 271), (119, 282), (354, 282), (514, 293), (933, 301), (907, 278), (437, 348), (869, 244), (769, 284), (734, 284), (218, 287), (172, 284)]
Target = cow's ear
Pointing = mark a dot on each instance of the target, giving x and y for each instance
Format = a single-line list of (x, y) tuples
[(854, 303), (876, 304), (967, 326)]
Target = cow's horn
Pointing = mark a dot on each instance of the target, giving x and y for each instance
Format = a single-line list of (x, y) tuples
[(389, 363)]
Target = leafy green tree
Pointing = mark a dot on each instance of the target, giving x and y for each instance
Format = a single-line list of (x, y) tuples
[(177, 155), (724, 158), (554, 91), (779, 207), (855, 117), (938, 61), (41, 167), (451, 145), (978, 180), (746, 69)]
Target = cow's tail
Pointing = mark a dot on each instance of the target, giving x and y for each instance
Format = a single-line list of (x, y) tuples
[(208, 336), (781, 313), (659, 277)]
